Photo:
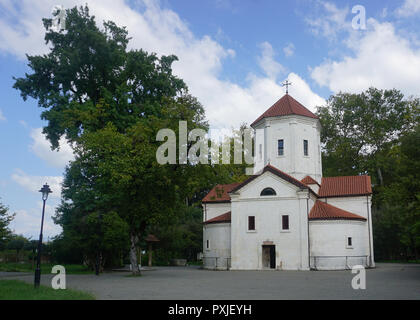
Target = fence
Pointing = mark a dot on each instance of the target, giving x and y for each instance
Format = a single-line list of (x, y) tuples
[(216, 263), (337, 262), (316, 262)]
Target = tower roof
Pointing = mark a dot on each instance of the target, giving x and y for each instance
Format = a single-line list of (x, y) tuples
[(286, 105)]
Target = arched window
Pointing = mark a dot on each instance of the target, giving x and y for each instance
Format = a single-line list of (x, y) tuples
[(268, 192)]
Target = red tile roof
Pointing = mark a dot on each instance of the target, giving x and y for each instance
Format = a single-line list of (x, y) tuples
[(219, 193), (278, 173), (325, 211), (226, 217), (345, 186), (330, 186), (286, 106), (309, 180)]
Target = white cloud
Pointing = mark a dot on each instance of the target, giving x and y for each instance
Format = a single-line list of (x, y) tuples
[(160, 30), (327, 20), (267, 62), (28, 222), (409, 8), (2, 117), (263, 93), (381, 58), (303, 93), (42, 148), (24, 35), (289, 50), (35, 183), (156, 30)]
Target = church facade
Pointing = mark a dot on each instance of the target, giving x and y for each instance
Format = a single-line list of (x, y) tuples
[(286, 216)]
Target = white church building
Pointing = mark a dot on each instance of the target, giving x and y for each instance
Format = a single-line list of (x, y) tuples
[(286, 216)]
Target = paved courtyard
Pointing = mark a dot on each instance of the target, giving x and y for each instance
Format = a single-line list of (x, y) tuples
[(387, 281)]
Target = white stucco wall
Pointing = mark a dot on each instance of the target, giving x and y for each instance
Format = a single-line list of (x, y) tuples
[(326, 238), (219, 237), (212, 210), (293, 130), (362, 206), (328, 243), (291, 245), (314, 187), (357, 205)]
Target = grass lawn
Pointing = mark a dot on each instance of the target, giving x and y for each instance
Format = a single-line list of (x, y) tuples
[(45, 268), (195, 263), (19, 290)]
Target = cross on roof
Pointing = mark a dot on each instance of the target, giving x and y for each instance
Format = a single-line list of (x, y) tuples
[(286, 84)]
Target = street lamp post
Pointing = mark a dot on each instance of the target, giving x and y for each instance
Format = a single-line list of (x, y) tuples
[(45, 191)]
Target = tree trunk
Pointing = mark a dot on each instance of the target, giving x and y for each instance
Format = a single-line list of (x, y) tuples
[(133, 255), (150, 254), (140, 257), (97, 264), (101, 262), (381, 180)]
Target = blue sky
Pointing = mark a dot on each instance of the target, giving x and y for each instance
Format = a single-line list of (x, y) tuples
[(232, 54)]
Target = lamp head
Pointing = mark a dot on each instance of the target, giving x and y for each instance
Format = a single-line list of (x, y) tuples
[(45, 191)]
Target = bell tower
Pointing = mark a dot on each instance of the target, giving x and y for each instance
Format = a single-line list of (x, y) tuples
[(288, 137)]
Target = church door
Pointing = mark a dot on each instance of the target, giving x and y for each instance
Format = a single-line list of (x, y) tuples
[(269, 256)]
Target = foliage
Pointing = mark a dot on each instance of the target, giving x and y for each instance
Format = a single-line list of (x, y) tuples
[(89, 78), (5, 219), (45, 268), (31, 246), (17, 243), (94, 89), (19, 290), (376, 132), (398, 202), (183, 238), (65, 250), (356, 128), (86, 234), (110, 102)]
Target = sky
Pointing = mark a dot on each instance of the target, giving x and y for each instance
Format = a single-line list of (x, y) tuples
[(233, 55)]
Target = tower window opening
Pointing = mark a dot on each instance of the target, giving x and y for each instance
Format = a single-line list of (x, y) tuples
[(280, 147)]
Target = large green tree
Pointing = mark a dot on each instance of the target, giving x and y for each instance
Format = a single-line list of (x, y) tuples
[(397, 218), (5, 219), (17, 242), (103, 98), (183, 238), (357, 128), (110, 102), (90, 78), (376, 133)]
